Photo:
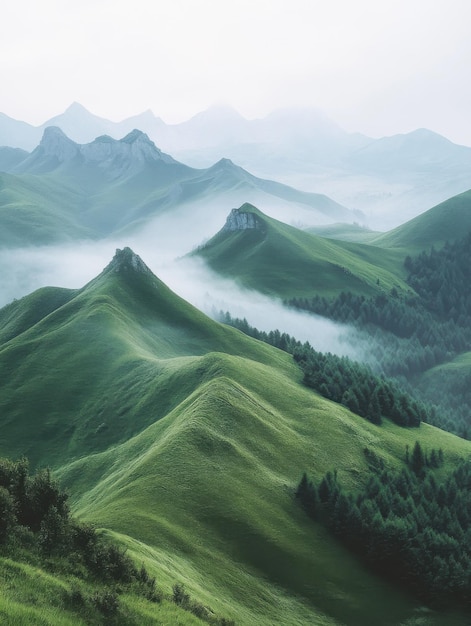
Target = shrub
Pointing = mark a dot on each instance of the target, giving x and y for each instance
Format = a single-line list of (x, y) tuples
[(107, 602)]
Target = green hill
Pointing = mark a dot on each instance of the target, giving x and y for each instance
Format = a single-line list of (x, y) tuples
[(344, 232), (448, 221), (39, 210), (185, 439), (272, 257)]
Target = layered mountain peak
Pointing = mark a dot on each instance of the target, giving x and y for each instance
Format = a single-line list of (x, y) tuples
[(134, 147), (55, 143)]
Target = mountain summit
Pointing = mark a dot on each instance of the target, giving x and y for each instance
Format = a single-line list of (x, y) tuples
[(115, 155), (244, 218), (126, 260), (54, 149), (55, 143), (134, 147)]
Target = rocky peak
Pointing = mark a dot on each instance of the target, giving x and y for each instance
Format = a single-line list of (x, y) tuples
[(126, 260), (55, 143), (134, 147), (242, 219)]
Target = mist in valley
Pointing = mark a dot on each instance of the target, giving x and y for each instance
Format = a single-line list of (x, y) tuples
[(163, 245)]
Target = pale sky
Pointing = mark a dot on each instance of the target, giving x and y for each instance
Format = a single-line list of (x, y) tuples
[(375, 66)]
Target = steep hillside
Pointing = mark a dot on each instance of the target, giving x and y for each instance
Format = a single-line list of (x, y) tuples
[(447, 221), (135, 324), (185, 439), (275, 258)]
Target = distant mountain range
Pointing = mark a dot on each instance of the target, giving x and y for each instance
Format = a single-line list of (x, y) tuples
[(65, 189), (391, 179)]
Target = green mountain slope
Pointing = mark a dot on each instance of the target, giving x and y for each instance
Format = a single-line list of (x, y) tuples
[(272, 257), (185, 439), (447, 221), (39, 210), (105, 341), (344, 232)]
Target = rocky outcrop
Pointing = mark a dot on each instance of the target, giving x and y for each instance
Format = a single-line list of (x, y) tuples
[(241, 219), (55, 143), (111, 155), (135, 147), (127, 260)]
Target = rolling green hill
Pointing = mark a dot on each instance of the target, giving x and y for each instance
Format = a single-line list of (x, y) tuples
[(185, 439), (448, 221), (272, 257)]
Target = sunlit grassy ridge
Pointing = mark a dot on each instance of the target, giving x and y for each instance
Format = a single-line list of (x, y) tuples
[(185, 439), (281, 260)]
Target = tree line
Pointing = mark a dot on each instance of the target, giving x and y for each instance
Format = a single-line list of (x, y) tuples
[(410, 525), (409, 334), (342, 380)]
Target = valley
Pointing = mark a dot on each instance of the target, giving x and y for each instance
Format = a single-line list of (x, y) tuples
[(169, 387)]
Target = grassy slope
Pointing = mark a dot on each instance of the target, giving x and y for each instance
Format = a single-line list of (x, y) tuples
[(77, 199), (449, 220), (91, 370), (30, 596), (282, 260), (454, 376), (39, 210), (209, 489), (344, 232), (205, 434), (80, 201), (461, 363)]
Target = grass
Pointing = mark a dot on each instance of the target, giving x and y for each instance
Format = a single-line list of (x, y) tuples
[(344, 232), (185, 440), (447, 221), (210, 489), (37, 210), (32, 596), (278, 259)]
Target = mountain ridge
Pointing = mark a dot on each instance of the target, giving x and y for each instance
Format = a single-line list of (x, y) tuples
[(185, 439), (110, 186)]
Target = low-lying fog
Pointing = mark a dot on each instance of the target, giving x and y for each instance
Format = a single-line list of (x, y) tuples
[(73, 265)]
